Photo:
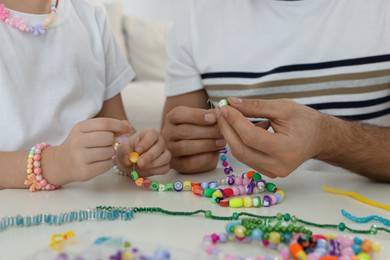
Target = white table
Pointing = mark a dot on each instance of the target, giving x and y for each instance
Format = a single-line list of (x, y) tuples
[(305, 198)]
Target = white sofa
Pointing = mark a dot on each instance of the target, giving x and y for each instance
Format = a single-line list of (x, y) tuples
[(142, 31)]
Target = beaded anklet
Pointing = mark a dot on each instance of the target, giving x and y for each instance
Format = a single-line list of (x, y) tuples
[(35, 179)]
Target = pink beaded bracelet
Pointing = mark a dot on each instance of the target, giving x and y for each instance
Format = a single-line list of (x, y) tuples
[(35, 179)]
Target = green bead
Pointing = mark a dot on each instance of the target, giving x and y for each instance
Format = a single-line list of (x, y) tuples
[(208, 214), (287, 217), (154, 185), (235, 216), (373, 230), (341, 226), (127, 244), (256, 176), (270, 187), (266, 236), (248, 233), (168, 186), (279, 216), (208, 193), (294, 219), (134, 175)]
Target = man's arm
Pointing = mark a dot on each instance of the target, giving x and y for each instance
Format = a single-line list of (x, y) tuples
[(358, 147)]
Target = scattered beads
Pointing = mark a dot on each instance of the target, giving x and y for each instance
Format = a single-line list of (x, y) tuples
[(35, 179), (21, 25)]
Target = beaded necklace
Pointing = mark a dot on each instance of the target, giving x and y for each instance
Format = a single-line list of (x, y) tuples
[(23, 26), (127, 213)]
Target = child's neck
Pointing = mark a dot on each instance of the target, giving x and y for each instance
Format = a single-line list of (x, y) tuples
[(28, 6)]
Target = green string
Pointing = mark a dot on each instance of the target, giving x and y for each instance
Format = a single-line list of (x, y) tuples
[(236, 215)]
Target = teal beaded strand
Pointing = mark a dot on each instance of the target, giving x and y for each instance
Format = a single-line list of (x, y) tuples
[(99, 214)]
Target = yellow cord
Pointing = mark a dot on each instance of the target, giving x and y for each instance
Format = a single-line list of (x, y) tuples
[(357, 197)]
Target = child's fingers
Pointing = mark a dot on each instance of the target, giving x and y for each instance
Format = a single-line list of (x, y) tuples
[(147, 138), (163, 159), (152, 153)]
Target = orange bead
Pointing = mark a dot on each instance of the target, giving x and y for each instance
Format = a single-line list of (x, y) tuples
[(329, 257), (250, 174), (139, 182), (295, 248), (366, 246), (133, 157)]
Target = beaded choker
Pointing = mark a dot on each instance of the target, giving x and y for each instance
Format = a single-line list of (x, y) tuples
[(21, 25)]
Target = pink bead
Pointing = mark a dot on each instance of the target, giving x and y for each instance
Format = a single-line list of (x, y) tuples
[(345, 241), (347, 251), (274, 199), (236, 191), (209, 250), (214, 238), (37, 170), (37, 157), (238, 180), (230, 257), (245, 181), (40, 147), (37, 164), (225, 164), (241, 189), (39, 178), (49, 187), (43, 183)]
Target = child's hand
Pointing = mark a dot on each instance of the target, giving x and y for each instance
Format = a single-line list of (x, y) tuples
[(88, 150), (154, 156)]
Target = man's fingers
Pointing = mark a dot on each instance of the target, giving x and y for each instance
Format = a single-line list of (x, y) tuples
[(250, 135), (189, 115), (259, 108), (195, 132)]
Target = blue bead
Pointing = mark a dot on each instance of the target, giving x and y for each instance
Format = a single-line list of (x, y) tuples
[(256, 234)]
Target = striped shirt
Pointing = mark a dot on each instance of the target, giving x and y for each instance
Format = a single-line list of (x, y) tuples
[(332, 55)]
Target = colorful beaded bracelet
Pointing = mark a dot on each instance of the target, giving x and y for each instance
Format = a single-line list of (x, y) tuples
[(35, 179)]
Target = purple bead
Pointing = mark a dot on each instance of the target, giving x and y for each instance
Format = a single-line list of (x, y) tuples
[(249, 189), (223, 150), (229, 180), (334, 248), (267, 201), (228, 170)]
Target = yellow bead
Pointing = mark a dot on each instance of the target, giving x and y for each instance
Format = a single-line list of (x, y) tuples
[(247, 201), (217, 193), (133, 157), (29, 171), (187, 185), (301, 255), (281, 193), (239, 231), (235, 203), (376, 247), (331, 236), (363, 256), (274, 238)]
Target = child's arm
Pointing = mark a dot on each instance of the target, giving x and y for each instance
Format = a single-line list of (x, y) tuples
[(86, 153)]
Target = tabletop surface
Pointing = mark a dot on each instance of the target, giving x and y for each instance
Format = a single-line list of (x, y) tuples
[(182, 235)]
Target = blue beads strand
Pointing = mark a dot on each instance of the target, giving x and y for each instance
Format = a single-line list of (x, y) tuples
[(69, 217), (367, 219)]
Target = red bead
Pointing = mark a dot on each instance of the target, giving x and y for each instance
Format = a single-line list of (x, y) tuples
[(228, 192)]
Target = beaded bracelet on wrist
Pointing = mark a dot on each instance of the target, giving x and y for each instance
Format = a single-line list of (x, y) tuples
[(35, 178)]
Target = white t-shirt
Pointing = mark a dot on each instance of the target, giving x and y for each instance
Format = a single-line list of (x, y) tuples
[(50, 82), (331, 55)]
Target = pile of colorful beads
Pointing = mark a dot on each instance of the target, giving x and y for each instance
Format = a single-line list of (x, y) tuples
[(316, 247), (290, 241)]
